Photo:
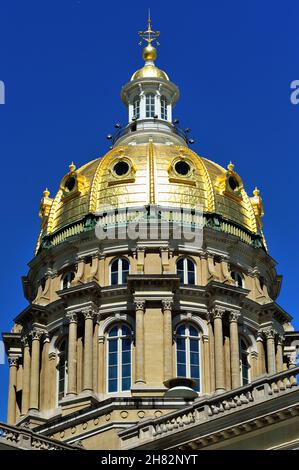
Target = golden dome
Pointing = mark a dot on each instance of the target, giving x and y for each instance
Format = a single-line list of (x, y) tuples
[(148, 174), (149, 71)]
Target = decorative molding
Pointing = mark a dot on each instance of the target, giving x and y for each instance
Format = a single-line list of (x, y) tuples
[(193, 318), (36, 334), (105, 324), (13, 361), (139, 304), (167, 304), (217, 312), (72, 317), (234, 316)]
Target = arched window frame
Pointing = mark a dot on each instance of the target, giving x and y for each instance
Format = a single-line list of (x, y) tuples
[(66, 280), (119, 339), (136, 107), (186, 274), (164, 107), (150, 105), (121, 273), (62, 369), (237, 278), (188, 338), (244, 353)]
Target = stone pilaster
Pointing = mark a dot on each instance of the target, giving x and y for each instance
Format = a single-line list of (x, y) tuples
[(206, 385), (279, 354), (211, 353), (167, 334), (12, 389), (139, 342), (270, 335), (101, 344), (72, 353), (234, 348), (261, 365), (26, 375), (217, 314), (36, 335), (89, 315)]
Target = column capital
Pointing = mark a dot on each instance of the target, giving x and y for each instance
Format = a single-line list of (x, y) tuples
[(217, 312), (25, 341), (13, 361), (280, 339), (36, 334), (167, 304), (234, 315), (269, 333), (89, 312), (72, 317), (139, 304)]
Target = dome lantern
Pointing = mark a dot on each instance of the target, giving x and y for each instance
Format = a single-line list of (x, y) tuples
[(150, 98)]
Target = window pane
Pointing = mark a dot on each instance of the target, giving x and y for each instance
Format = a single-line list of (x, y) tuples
[(180, 264), (194, 372), (126, 357), (113, 331), (125, 330), (191, 277), (126, 344), (194, 345), (112, 346), (112, 386), (126, 384), (190, 265), (181, 344), (126, 370), (193, 331), (114, 278), (181, 330), (181, 370), (112, 359), (194, 358), (181, 357), (112, 372)]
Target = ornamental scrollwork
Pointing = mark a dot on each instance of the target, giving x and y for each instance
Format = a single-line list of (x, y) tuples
[(234, 315), (217, 312), (139, 304), (72, 317), (36, 334), (167, 304), (12, 361)]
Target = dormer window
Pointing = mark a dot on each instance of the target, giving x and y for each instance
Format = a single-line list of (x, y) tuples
[(150, 105), (67, 279), (136, 108), (237, 278), (163, 108)]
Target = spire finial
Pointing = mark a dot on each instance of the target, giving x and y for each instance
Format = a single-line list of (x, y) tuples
[(149, 36)]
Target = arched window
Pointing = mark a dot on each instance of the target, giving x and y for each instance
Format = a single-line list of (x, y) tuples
[(62, 370), (244, 364), (136, 108), (150, 105), (237, 278), (163, 108), (119, 271), (188, 352), (185, 268), (67, 280), (119, 358)]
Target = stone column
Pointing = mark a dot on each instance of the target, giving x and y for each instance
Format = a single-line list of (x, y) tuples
[(219, 350), (101, 340), (35, 367), (167, 325), (279, 354), (139, 341), (212, 353), (72, 353), (44, 375), (89, 315), (26, 375), (12, 388), (206, 364), (261, 369), (95, 356), (270, 335), (234, 348)]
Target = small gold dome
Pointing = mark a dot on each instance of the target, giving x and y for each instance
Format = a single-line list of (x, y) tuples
[(149, 71)]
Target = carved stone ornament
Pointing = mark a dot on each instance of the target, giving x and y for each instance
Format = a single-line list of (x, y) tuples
[(71, 317), (234, 315), (89, 313), (167, 304), (36, 334), (217, 312), (25, 341), (270, 333), (12, 361), (139, 304)]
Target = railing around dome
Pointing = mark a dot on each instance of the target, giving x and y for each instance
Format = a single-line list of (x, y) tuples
[(131, 128)]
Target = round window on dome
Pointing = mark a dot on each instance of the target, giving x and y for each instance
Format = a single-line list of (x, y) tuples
[(121, 168), (182, 168), (233, 183), (70, 183)]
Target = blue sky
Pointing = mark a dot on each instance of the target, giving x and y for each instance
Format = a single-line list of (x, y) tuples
[(63, 63)]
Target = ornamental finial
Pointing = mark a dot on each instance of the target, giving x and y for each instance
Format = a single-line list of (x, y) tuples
[(46, 193), (149, 36), (72, 167), (230, 166), (256, 191)]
